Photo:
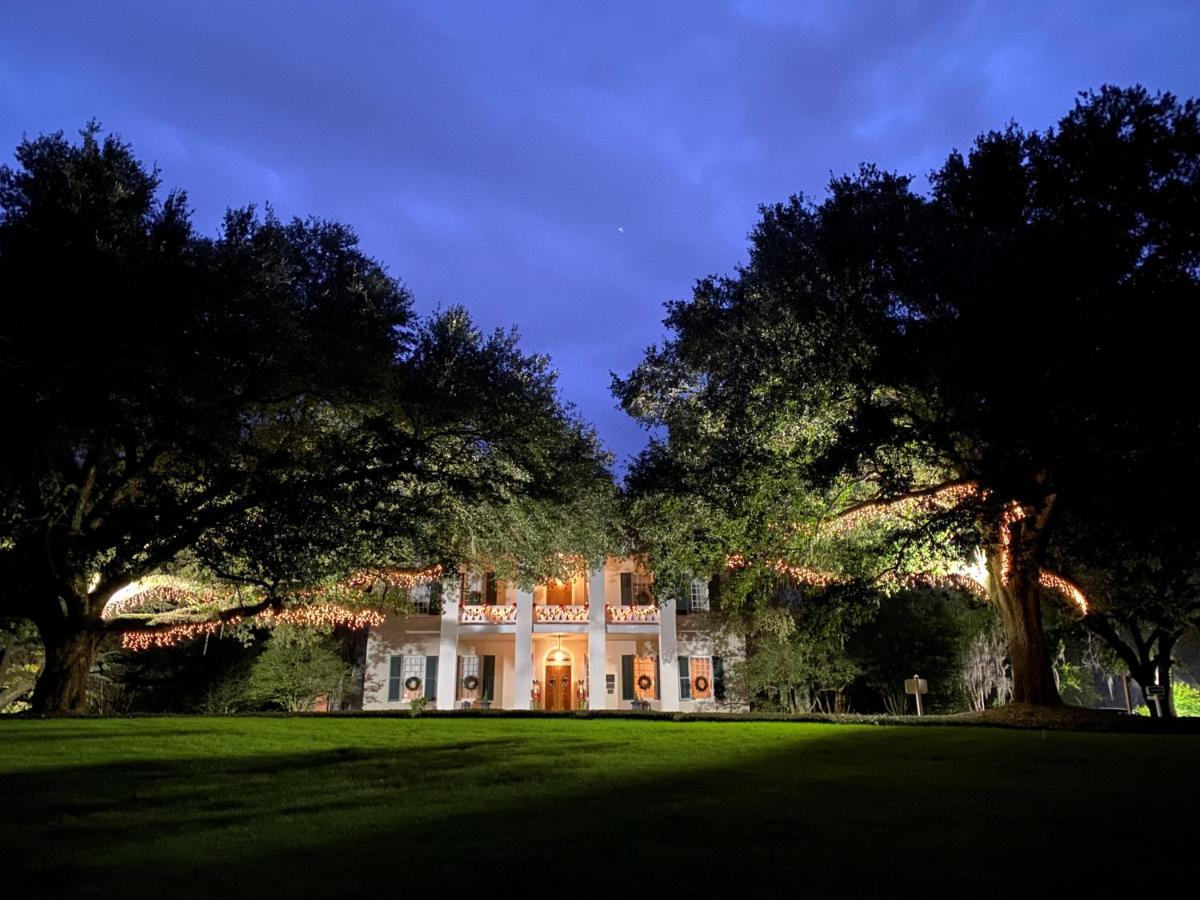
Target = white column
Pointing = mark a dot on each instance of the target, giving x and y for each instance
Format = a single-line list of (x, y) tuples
[(524, 662), (597, 645), (448, 652), (668, 662)]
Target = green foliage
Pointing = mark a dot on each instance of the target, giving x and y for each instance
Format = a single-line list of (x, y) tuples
[(923, 633), (417, 705), (1187, 698), (1075, 685), (261, 407), (1022, 328), (298, 666), (20, 660)]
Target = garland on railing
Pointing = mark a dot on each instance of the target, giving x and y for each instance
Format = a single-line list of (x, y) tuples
[(543, 612), (483, 614), (628, 614)]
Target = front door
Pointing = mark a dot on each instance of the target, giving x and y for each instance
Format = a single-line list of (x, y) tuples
[(558, 687)]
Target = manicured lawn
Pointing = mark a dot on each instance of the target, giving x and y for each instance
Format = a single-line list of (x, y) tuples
[(319, 807)]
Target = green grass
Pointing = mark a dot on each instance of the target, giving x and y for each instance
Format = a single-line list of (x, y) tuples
[(316, 807)]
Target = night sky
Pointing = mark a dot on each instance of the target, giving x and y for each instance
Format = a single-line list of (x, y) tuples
[(565, 167)]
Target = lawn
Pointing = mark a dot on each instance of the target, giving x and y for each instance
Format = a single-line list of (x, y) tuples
[(323, 806)]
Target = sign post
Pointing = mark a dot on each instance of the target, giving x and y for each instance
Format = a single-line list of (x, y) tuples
[(917, 686), (1156, 693)]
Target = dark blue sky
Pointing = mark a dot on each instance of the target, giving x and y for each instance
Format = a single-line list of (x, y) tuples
[(565, 167)]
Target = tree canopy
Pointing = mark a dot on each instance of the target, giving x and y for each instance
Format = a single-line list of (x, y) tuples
[(930, 373), (261, 409)]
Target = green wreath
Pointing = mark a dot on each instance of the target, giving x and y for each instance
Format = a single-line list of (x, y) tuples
[(644, 682), (412, 683), (701, 684), (471, 682)]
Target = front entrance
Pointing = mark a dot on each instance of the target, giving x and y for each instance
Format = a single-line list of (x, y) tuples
[(558, 687)]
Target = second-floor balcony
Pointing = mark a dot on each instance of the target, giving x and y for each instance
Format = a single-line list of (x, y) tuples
[(632, 615), (544, 613), (487, 614)]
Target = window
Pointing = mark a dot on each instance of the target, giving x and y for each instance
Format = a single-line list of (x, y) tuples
[(698, 595), (411, 667), (637, 589), (558, 593), (701, 678), (700, 669), (492, 588), (645, 672), (468, 666), (427, 598)]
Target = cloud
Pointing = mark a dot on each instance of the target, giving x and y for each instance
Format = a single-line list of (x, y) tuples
[(487, 153)]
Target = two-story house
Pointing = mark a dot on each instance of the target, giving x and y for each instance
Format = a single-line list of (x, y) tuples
[(603, 640)]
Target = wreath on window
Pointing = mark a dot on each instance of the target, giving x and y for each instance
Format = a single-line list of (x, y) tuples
[(412, 683), (471, 682), (644, 682), (701, 683)]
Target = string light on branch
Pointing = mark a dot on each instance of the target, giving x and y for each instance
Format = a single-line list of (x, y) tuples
[(404, 579), (175, 634), (940, 500), (321, 615), (1053, 582)]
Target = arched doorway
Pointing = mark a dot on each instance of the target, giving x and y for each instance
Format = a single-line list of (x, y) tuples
[(558, 692)]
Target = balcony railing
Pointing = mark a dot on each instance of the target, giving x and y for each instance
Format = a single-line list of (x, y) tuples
[(560, 615), (632, 615), (480, 614)]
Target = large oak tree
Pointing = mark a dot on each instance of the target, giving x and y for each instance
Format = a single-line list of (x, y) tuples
[(261, 406), (970, 363)]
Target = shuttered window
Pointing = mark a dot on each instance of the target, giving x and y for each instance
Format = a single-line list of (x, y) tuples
[(701, 668), (431, 667), (395, 677), (685, 679)]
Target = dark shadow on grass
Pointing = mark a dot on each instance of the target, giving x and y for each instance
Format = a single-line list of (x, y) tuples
[(843, 812)]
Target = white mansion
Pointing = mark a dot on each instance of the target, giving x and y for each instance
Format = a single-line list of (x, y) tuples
[(601, 641)]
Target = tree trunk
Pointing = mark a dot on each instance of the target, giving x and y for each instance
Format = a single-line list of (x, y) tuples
[(1013, 588), (62, 684)]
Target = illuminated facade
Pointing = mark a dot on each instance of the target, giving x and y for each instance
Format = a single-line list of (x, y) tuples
[(607, 640)]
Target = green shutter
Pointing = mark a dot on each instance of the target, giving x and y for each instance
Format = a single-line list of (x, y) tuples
[(431, 666), (395, 679), (685, 679), (489, 677), (718, 677), (627, 590), (626, 677), (657, 680), (489, 588)]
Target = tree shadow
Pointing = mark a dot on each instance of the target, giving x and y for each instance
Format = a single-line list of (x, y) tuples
[(824, 810)]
